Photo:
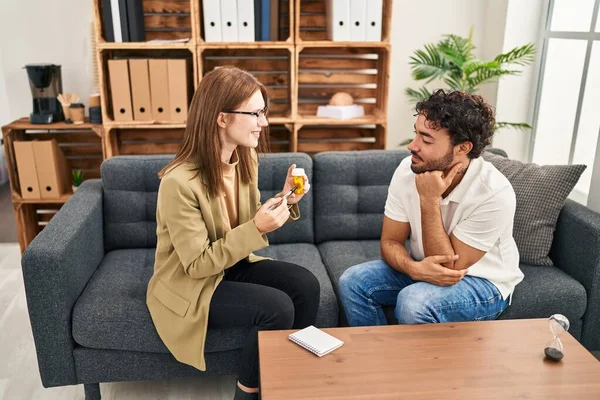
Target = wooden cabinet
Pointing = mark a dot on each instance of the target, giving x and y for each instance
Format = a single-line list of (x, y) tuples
[(83, 146), (301, 71)]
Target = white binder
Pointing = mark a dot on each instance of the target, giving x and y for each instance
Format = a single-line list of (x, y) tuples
[(211, 12), (245, 13), (229, 21), (116, 17), (374, 16), (358, 17), (338, 20)]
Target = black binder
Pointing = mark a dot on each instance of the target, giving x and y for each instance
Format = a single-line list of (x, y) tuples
[(135, 18), (107, 21)]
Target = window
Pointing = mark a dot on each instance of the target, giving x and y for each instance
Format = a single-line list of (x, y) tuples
[(566, 121)]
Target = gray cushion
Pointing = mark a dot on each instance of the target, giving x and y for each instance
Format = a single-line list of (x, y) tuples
[(272, 170), (340, 255), (350, 193), (541, 192), (307, 256), (111, 312), (543, 291), (131, 189), (546, 291)]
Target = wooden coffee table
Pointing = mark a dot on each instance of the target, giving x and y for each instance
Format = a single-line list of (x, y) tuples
[(470, 360)]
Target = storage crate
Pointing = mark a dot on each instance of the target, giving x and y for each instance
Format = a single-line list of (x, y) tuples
[(311, 21), (272, 66), (153, 53), (360, 71), (315, 139)]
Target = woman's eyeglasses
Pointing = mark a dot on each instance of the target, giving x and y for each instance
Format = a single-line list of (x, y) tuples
[(257, 114)]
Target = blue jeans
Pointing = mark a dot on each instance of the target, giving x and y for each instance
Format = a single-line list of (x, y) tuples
[(366, 288)]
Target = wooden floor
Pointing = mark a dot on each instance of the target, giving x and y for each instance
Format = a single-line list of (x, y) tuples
[(19, 375), (8, 229)]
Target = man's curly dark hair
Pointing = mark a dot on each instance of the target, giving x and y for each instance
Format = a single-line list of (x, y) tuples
[(466, 116)]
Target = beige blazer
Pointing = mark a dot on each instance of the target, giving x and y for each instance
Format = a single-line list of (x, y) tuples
[(191, 255)]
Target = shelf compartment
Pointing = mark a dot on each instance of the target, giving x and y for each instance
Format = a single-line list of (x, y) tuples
[(315, 139), (81, 146), (187, 53), (281, 138), (360, 71), (273, 67), (284, 33), (163, 20), (311, 22), (138, 141)]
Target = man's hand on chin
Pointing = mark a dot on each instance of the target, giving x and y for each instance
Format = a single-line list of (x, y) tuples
[(432, 184)]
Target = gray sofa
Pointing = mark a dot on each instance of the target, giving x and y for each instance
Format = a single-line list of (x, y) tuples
[(86, 272)]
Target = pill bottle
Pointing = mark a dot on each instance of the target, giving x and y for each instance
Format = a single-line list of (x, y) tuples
[(298, 177)]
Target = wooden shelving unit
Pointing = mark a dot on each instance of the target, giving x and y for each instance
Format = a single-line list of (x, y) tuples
[(83, 145), (302, 70)]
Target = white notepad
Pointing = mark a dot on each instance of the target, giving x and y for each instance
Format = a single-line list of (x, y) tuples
[(315, 340)]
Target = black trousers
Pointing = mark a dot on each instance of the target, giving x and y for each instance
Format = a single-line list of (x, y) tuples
[(265, 295)]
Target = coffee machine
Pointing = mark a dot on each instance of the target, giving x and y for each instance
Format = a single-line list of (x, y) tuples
[(45, 81)]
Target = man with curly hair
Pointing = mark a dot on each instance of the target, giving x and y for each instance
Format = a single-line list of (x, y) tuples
[(462, 263)]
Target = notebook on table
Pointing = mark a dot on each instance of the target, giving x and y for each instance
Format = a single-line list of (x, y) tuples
[(315, 340)]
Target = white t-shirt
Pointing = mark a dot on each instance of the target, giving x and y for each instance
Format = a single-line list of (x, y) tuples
[(479, 212)]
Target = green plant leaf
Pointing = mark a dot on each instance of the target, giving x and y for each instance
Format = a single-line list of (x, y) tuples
[(454, 83), (428, 64), (456, 49), (472, 66), (77, 177), (519, 126), (522, 55), (452, 61), (486, 75), (417, 95)]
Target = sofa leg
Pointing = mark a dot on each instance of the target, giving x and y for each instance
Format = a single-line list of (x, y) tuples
[(92, 391)]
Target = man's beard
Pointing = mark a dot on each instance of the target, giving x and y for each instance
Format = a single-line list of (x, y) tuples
[(441, 164)]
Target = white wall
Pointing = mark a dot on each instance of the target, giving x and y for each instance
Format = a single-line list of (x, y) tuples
[(414, 24), (499, 25), (4, 118), (493, 41), (516, 94), (4, 103), (44, 31)]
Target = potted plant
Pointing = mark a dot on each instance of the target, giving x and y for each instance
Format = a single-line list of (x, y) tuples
[(452, 61), (77, 179)]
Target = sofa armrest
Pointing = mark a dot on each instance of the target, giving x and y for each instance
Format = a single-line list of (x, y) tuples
[(576, 250), (57, 266)]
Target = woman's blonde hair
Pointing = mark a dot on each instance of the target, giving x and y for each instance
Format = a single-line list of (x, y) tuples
[(224, 88)]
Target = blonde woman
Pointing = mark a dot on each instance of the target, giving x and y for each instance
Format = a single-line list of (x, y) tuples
[(209, 223)]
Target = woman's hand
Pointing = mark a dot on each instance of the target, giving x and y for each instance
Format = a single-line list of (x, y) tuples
[(289, 184), (269, 220)]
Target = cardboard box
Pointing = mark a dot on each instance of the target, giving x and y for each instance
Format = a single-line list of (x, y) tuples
[(53, 172), (140, 89), (178, 89), (341, 112), (118, 71), (159, 90), (26, 170)]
